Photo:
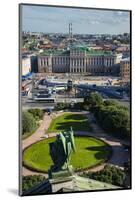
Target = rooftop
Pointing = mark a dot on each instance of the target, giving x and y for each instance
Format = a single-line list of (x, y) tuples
[(54, 52), (86, 49)]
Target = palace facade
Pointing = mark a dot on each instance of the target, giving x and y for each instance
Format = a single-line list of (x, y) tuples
[(78, 60)]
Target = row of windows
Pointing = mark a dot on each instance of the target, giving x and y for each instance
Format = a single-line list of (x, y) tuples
[(66, 61), (77, 70)]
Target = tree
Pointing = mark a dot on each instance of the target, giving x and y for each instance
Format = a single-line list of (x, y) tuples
[(37, 113), (117, 121), (110, 174), (114, 119), (93, 101), (28, 123), (30, 181), (110, 103), (61, 106)]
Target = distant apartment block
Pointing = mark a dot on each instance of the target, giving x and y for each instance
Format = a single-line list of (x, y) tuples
[(26, 65), (125, 69)]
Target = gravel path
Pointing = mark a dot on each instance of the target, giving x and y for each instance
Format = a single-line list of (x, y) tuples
[(119, 155)]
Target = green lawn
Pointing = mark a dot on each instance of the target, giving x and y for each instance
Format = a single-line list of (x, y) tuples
[(78, 122), (89, 152)]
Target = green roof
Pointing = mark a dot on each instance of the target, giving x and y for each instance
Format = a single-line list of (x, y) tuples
[(54, 52), (99, 52), (88, 52)]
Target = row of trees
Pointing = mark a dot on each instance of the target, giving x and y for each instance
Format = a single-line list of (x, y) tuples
[(110, 174), (30, 120), (111, 116)]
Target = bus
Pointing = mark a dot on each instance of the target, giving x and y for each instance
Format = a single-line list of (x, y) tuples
[(45, 100), (58, 88)]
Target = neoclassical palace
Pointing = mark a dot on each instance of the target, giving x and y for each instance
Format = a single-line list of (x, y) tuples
[(78, 60)]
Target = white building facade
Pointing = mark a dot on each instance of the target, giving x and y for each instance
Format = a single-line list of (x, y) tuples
[(78, 61), (26, 65)]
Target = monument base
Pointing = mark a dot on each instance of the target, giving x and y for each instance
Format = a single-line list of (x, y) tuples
[(62, 174), (69, 184)]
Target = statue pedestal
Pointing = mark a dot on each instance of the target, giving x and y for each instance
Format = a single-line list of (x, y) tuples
[(62, 174), (61, 178), (58, 184)]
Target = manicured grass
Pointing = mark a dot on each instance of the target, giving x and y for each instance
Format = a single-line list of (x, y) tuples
[(89, 152), (78, 122)]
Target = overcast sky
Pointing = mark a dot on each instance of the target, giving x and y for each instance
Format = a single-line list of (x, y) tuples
[(85, 21)]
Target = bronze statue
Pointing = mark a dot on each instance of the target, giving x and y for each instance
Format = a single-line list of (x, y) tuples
[(61, 150)]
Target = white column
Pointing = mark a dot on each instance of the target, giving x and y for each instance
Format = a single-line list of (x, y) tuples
[(93, 61), (70, 64), (39, 61), (108, 63), (96, 61)]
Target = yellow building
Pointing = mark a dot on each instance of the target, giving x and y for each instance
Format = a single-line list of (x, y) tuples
[(125, 69), (26, 65)]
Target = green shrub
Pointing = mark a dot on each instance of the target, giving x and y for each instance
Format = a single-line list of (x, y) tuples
[(30, 181), (28, 123), (110, 174), (94, 100), (37, 113), (110, 103), (114, 119), (62, 106)]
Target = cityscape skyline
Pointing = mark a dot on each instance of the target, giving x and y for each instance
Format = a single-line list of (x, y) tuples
[(56, 19)]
